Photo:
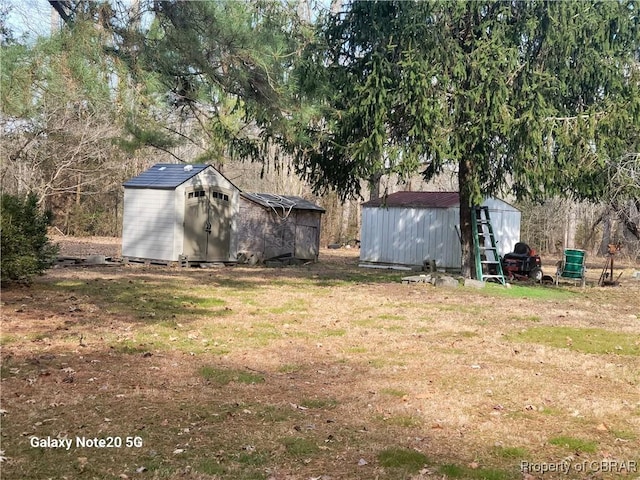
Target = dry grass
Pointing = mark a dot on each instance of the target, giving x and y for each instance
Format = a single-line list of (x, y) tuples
[(323, 371)]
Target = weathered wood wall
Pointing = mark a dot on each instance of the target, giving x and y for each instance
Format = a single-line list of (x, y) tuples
[(266, 233)]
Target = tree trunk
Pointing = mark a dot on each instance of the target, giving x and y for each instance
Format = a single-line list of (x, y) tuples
[(571, 227), (606, 232), (374, 186), (344, 224), (466, 232)]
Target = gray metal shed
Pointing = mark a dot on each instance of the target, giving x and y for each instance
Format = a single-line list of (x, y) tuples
[(272, 226), (408, 228), (174, 210)]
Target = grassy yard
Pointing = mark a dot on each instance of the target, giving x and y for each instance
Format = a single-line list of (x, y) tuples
[(325, 371)]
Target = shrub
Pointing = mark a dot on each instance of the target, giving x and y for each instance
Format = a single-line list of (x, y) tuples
[(26, 250)]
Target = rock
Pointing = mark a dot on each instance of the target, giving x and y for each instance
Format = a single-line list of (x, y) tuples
[(96, 260), (418, 279), (446, 281)]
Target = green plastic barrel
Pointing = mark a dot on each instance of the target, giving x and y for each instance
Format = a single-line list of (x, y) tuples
[(574, 263)]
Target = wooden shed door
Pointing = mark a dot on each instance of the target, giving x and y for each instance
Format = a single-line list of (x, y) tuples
[(306, 242), (207, 225)]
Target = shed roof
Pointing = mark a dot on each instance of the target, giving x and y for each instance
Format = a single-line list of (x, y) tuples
[(165, 176), (417, 199), (270, 200)]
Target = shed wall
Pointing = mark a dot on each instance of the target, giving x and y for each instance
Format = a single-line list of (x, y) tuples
[(149, 224), (409, 236), (264, 233), (307, 235)]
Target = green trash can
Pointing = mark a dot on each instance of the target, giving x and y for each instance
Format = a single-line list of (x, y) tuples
[(574, 263)]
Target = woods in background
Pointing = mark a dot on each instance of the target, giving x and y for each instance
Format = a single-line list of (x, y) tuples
[(336, 103)]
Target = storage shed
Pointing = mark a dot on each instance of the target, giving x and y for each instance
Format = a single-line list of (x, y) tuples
[(409, 228), (272, 226), (173, 211)]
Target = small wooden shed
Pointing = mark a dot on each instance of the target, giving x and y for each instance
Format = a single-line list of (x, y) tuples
[(173, 211), (409, 228), (273, 226)]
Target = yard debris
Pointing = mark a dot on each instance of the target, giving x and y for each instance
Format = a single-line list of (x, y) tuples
[(82, 463)]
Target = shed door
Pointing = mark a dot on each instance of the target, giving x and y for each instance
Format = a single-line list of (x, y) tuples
[(207, 221), (306, 242), (219, 236)]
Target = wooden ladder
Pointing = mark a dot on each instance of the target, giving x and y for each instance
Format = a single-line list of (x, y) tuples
[(488, 264)]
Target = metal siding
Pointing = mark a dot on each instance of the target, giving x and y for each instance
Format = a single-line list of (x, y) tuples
[(149, 224), (375, 232), (453, 258), (368, 237), (408, 236)]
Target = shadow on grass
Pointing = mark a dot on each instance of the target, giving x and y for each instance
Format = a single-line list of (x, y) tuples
[(147, 301)]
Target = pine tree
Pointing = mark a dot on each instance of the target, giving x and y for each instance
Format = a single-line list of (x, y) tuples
[(524, 98)]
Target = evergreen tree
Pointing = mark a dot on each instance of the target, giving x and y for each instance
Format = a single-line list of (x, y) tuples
[(525, 98), (223, 68), (26, 250)]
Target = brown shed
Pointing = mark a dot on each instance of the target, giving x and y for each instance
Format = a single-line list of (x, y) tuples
[(278, 226)]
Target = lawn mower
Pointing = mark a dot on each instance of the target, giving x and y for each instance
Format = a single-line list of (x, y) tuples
[(522, 264)]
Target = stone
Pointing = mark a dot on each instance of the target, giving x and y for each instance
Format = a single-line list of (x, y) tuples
[(96, 260), (446, 281), (417, 279)]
